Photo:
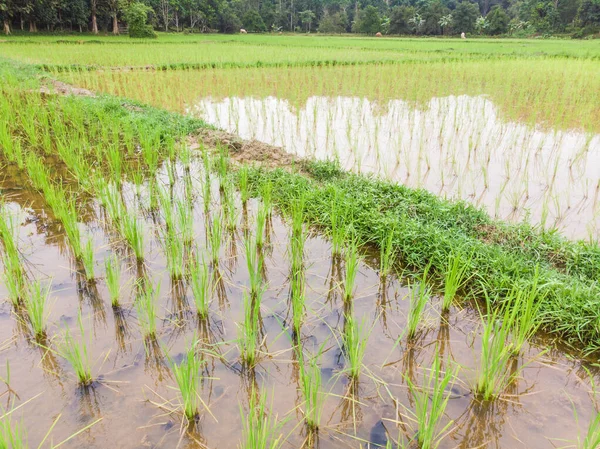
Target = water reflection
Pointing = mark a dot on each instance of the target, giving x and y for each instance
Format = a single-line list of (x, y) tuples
[(455, 146)]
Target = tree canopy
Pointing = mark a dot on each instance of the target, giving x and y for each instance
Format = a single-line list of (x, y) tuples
[(431, 17)]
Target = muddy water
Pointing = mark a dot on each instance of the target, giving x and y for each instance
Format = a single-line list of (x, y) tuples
[(132, 400), (456, 146)]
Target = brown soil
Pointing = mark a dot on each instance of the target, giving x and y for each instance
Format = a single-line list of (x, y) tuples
[(244, 151), (51, 87)]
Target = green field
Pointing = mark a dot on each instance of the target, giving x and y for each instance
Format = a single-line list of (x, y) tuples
[(402, 253)]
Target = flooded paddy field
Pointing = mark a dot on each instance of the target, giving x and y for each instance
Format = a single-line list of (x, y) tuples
[(161, 293), (479, 135)]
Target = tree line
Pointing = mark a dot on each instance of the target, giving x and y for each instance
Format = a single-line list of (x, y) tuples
[(402, 17)]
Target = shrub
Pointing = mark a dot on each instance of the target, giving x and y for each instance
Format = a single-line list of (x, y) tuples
[(136, 16)]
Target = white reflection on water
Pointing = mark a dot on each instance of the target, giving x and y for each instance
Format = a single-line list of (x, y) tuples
[(456, 146)]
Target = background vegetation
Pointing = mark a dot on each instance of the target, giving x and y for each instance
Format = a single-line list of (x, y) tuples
[(522, 18)]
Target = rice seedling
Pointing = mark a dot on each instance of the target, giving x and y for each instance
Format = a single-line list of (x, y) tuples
[(311, 385), (298, 300), (146, 305), (260, 428), (187, 375), (493, 374), (254, 262), (351, 269), (431, 400), (215, 235), (36, 303), (338, 229), (174, 252), (387, 253), (87, 257), (521, 312), (355, 338), (229, 207), (12, 435), (266, 192), (112, 268), (201, 284), (131, 230), (455, 277), (248, 333), (76, 352), (243, 183), (419, 295), (261, 222)]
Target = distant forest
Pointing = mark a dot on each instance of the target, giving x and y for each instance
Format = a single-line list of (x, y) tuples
[(520, 18)]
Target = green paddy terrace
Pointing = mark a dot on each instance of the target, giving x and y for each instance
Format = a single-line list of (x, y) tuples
[(405, 256)]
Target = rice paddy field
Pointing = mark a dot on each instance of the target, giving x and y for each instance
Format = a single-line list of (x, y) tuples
[(298, 242)]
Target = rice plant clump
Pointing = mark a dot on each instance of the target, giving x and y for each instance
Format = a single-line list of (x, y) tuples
[(455, 277), (355, 338), (146, 305), (112, 268), (260, 427), (201, 285), (493, 374), (431, 400), (352, 263), (311, 384), (187, 376), (248, 334), (76, 352), (36, 304), (419, 296)]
